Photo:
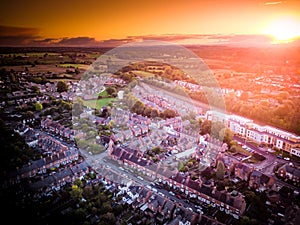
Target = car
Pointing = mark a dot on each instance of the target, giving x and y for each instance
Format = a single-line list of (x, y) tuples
[(139, 177), (287, 158), (154, 189), (279, 156), (171, 193), (199, 211)]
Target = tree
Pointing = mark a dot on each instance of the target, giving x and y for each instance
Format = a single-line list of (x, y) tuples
[(77, 71), (35, 89), (38, 106), (220, 170), (205, 127), (61, 86), (216, 128), (138, 107), (180, 166), (109, 218), (29, 115), (154, 113), (226, 135), (76, 193), (111, 91), (147, 111), (12, 77), (168, 113), (200, 121), (77, 107)]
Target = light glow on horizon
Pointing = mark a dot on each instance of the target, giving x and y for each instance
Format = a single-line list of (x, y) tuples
[(284, 30)]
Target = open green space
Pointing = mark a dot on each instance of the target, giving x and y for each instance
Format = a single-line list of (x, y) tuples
[(98, 103), (142, 73), (103, 93), (73, 65), (32, 54)]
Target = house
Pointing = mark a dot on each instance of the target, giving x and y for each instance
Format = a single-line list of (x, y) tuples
[(290, 173), (168, 209), (260, 181), (136, 131), (183, 216), (144, 196), (242, 171), (273, 196), (156, 203)]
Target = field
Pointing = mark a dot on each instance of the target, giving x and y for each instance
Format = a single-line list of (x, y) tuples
[(103, 93), (36, 69), (98, 103), (143, 73), (73, 65)]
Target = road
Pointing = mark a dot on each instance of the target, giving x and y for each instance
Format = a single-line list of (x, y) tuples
[(267, 166)]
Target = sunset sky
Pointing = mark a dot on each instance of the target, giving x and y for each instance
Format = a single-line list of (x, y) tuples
[(92, 22)]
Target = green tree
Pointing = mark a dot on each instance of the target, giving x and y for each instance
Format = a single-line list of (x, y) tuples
[(138, 107), (112, 91), (61, 86), (38, 106), (35, 89), (76, 193)]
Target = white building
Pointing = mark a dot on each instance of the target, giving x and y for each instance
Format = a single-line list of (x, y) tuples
[(260, 134)]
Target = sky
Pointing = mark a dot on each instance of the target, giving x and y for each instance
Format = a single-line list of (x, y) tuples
[(94, 22)]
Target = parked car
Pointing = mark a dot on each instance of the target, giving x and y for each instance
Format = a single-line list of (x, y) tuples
[(171, 193)]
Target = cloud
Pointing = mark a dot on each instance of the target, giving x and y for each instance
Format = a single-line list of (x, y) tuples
[(13, 31), (78, 41), (20, 36), (209, 39), (169, 37), (115, 42), (15, 36), (46, 40), (273, 3)]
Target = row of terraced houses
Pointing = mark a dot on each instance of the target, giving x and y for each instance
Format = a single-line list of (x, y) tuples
[(231, 203)]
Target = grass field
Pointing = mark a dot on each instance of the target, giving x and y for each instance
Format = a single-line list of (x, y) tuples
[(143, 73), (98, 103), (73, 65), (37, 68), (32, 54), (103, 93)]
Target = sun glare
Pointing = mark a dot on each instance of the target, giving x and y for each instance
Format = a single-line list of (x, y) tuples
[(284, 30)]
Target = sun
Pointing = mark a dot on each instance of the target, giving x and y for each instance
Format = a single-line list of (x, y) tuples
[(284, 30)]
